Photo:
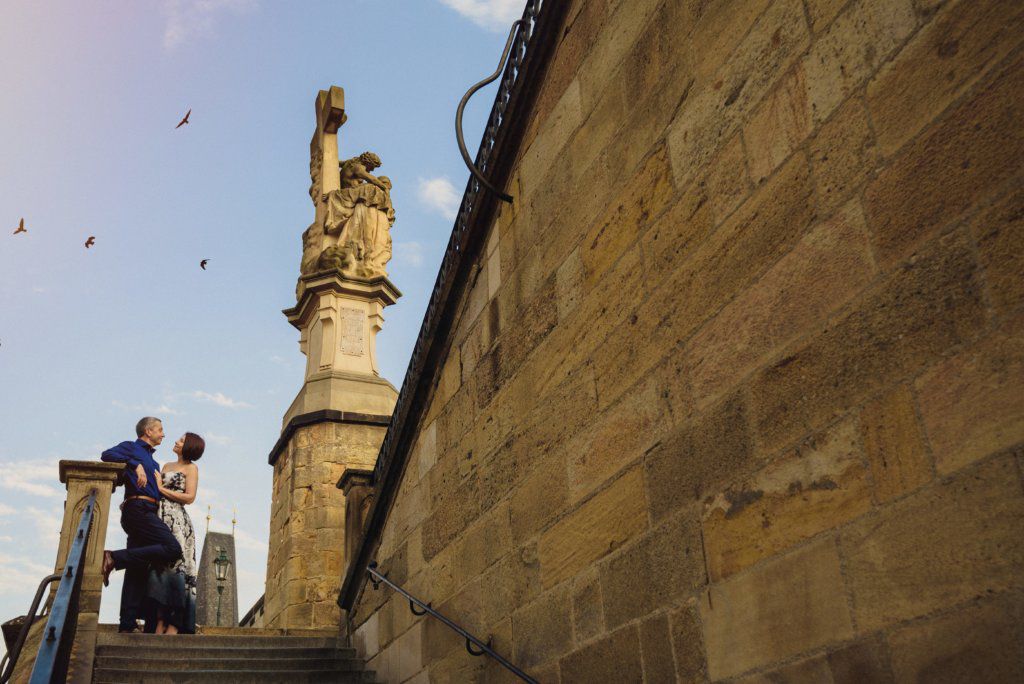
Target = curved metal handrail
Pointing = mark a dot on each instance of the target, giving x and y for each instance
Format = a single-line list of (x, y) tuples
[(11, 657), (55, 648), (469, 93), (482, 648)]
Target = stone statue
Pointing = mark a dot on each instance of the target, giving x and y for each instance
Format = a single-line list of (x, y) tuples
[(351, 233)]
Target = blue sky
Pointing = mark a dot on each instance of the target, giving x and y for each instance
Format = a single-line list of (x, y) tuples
[(92, 340)]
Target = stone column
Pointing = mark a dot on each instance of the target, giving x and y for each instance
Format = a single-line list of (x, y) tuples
[(81, 478), (336, 422)]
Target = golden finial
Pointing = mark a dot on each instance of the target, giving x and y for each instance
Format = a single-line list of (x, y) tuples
[(209, 517), (234, 519)]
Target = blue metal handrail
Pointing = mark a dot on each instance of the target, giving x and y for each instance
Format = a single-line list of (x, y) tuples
[(55, 649)]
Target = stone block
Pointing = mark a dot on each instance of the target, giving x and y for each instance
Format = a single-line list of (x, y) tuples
[(540, 498), (511, 582), (944, 544), (827, 268), (669, 558), (602, 118), (851, 50), (611, 43), (778, 126), (818, 487), (978, 642), (972, 404), (781, 608), (843, 153), (565, 117), (542, 630), (688, 643), (864, 660), (946, 57), (614, 658), (483, 543), (951, 167), (617, 437), (713, 113), (642, 198), (587, 608), (922, 310), (894, 445), (698, 458), (999, 234), (450, 515), (822, 12), (569, 284), (597, 527), (426, 449)]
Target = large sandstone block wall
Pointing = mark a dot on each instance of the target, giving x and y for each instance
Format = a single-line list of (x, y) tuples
[(736, 392)]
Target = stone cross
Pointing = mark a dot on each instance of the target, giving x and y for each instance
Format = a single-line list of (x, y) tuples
[(323, 148)]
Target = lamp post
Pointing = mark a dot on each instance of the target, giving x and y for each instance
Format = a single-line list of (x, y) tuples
[(221, 564)]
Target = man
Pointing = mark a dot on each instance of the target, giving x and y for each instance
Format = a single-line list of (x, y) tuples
[(149, 540)]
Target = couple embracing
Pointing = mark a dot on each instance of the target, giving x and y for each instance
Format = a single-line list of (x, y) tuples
[(159, 562)]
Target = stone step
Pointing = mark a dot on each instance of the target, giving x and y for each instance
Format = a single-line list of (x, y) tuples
[(200, 651), (143, 641), (144, 662), (110, 676)]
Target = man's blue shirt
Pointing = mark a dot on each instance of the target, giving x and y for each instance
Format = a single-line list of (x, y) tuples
[(132, 454)]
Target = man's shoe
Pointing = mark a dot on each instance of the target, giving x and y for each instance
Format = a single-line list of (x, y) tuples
[(108, 567)]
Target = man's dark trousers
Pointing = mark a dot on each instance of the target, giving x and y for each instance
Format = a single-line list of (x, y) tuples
[(150, 542)]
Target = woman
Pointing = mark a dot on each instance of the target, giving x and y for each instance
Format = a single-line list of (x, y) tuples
[(172, 589)]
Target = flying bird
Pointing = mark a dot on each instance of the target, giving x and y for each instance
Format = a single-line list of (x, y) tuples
[(21, 227), (90, 242), (202, 264), (185, 120)]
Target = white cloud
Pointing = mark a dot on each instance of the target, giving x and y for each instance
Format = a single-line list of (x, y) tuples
[(244, 540), (219, 399), (19, 573), (47, 524), (219, 440), (493, 15), (7, 510), (409, 252), (188, 18), (148, 409), (31, 477), (439, 195)]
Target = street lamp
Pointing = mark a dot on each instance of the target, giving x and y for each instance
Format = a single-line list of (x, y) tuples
[(221, 564)]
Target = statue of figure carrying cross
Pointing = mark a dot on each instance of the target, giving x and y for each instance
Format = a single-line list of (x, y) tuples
[(351, 232)]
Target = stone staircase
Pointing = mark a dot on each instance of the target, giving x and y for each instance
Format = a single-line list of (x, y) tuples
[(227, 656)]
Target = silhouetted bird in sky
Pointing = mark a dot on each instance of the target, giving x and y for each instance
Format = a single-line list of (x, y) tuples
[(185, 120), (21, 227), (90, 242), (202, 264)]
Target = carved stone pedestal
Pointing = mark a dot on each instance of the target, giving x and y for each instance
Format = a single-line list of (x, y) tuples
[(336, 422)]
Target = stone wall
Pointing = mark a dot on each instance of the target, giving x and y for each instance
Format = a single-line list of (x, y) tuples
[(736, 391), (307, 522)]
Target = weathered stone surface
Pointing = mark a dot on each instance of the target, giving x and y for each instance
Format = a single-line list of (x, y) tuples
[(862, 661), (951, 167), (587, 608), (542, 630), (668, 557), (656, 649), (778, 125), (827, 268), (643, 197), (688, 643), (617, 437), (541, 497), (611, 45), (615, 658), (843, 153), (923, 309), (569, 284), (596, 528), (894, 445), (822, 12), (699, 457), (716, 111), (979, 642), (999, 234), (456, 504), (565, 117), (786, 606), (944, 544), (853, 47), (943, 60), (757, 234), (973, 403), (818, 487)]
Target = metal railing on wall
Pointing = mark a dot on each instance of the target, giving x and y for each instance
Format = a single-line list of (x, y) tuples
[(418, 607)]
